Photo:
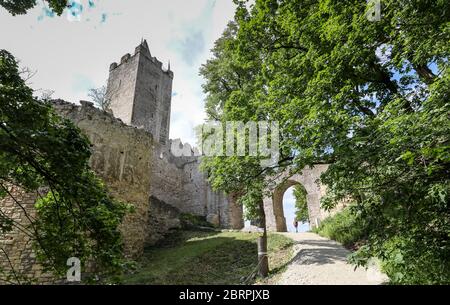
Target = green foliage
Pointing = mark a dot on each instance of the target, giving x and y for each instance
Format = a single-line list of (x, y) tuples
[(428, 267), (301, 206), (19, 7), (344, 227), (369, 98), (41, 152), (252, 199), (396, 252)]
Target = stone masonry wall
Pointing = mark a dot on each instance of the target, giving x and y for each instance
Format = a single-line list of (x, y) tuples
[(122, 158), (140, 92), (136, 170), (16, 255), (309, 179), (136, 167)]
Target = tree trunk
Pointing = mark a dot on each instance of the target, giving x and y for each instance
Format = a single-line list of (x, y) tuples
[(262, 246)]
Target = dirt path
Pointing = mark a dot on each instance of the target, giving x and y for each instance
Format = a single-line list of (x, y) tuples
[(322, 261)]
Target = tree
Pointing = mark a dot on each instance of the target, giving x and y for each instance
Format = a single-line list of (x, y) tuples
[(19, 7), (231, 80), (368, 98), (301, 206), (40, 151), (98, 96), (46, 94)]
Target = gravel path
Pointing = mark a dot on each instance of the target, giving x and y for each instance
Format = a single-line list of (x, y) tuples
[(318, 260)]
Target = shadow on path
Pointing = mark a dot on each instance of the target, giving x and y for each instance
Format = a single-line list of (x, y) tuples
[(319, 252)]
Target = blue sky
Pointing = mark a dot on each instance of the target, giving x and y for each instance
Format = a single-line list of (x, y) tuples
[(72, 53), (289, 211)]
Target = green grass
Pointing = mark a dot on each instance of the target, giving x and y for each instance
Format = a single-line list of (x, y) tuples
[(199, 257)]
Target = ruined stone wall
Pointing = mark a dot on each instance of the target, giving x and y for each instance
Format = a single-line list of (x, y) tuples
[(235, 211), (17, 258), (178, 181), (136, 170), (162, 218), (167, 184), (135, 167), (121, 156)]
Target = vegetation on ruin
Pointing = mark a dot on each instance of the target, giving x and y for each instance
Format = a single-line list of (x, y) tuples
[(42, 152), (98, 96), (370, 98), (200, 257)]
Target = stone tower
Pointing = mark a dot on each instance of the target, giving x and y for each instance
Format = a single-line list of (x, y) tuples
[(140, 92)]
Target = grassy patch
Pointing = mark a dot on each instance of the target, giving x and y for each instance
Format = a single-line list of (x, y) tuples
[(280, 251), (199, 257)]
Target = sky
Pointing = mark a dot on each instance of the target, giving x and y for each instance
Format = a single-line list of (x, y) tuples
[(72, 53), (289, 211)]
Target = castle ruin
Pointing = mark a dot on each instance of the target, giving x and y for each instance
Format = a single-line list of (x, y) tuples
[(133, 154)]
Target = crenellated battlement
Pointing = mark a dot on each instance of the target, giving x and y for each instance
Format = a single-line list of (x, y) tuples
[(143, 50), (180, 149), (140, 91)]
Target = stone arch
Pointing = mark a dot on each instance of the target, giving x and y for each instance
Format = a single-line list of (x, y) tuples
[(278, 209), (309, 179)]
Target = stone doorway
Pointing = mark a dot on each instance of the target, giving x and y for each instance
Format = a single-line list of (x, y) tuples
[(293, 195), (309, 179)]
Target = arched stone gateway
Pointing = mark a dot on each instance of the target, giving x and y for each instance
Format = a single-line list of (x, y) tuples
[(309, 179)]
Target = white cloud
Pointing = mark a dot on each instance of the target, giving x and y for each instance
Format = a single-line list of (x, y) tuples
[(72, 55)]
